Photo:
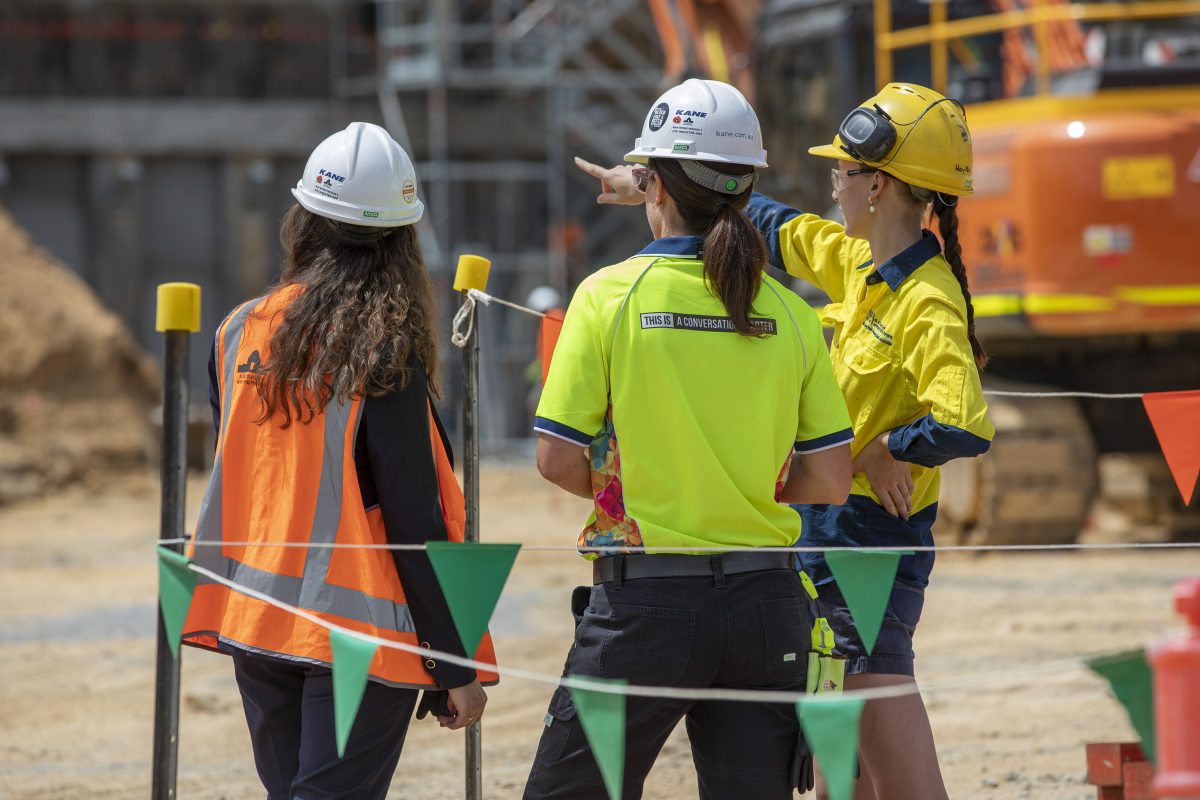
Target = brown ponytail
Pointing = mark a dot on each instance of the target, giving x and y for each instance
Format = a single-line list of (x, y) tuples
[(734, 252), (947, 216)]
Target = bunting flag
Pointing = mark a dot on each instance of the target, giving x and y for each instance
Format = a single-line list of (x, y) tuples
[(865, 579), (1133, 684), (830, 723), (602, 715), (351, 661), (1176, 420), (548, 334), (472, 575), (175, 586)]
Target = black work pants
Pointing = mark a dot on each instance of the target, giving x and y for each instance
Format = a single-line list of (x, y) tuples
[(289, 708), (745, 631)]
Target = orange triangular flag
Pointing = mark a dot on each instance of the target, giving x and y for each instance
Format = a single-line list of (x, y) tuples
[(1176, 420), (548, 337)]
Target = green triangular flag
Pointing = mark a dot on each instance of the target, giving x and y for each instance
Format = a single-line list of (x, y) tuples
[(1133, 685), (865, 578), (472, 576), (175, 586), (602, 715), (351, 660), (830, 724)]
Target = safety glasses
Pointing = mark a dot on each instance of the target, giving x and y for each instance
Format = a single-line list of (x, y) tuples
[(641, 178), (836, 176)]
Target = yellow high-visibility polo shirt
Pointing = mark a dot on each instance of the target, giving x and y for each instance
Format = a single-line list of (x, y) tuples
[(689, 425)]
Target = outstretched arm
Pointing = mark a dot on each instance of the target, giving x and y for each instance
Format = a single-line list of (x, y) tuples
[(616, 184)]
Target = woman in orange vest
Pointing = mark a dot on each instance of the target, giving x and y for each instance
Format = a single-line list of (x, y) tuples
[(326, 435)]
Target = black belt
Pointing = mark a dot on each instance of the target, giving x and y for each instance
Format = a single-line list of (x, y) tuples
[(671, 565)]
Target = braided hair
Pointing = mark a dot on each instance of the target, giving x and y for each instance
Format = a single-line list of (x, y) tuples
[(947, 217)]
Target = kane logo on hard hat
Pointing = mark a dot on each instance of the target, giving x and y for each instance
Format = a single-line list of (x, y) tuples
[(409, 191), (658, 116)]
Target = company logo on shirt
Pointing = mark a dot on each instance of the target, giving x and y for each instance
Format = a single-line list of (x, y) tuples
[(876, 328), (699, 322), (252, 369)]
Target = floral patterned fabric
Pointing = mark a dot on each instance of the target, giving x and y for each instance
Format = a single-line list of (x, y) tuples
[(611, 525)]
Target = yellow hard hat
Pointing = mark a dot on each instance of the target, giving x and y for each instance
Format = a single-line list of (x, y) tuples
[(910, 132)]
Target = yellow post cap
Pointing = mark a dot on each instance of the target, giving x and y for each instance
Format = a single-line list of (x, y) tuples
[(178, 308), (472, 273)]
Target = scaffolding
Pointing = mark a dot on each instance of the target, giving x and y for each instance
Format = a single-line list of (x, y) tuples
[(493, 98)]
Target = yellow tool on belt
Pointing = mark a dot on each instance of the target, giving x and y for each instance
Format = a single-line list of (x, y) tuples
[(826, 672)]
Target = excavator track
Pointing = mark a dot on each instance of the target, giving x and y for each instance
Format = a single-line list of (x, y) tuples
[(1036, 484)]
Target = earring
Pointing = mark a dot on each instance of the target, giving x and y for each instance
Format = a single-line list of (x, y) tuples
[(870, 206)]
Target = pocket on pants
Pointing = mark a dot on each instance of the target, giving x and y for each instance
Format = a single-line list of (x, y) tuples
[(647, 644), (786, 639), (558, 726)]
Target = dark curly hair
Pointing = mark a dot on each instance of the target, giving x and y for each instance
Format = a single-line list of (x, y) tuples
[(366, 306)]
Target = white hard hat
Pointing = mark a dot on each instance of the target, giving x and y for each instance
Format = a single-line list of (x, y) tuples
[(544, 298), (361, 176), (701, 120)]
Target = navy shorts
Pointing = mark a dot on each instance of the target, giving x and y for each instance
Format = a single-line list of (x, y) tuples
[(893, 654)]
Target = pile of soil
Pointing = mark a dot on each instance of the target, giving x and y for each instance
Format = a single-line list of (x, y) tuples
[(76, 391)]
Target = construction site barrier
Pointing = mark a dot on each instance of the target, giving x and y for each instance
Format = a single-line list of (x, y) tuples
[(471, 281)]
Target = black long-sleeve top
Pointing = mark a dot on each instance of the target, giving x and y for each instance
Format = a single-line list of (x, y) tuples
[(396, 471)]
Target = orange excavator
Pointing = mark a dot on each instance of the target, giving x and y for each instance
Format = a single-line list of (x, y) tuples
[(1087, 175), (1085, 119)]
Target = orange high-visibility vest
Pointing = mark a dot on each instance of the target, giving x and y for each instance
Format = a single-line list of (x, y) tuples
[(299, 485)]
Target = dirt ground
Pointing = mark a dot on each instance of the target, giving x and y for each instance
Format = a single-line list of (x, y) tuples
[(76, 391), (77, 605)]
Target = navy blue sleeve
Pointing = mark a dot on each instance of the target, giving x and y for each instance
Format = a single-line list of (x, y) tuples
[(214, 392), (394, 432), (930, 443), (769, 216)]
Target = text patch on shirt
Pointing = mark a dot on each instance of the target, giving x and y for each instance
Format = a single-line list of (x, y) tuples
[(875, 325), (700, 322)]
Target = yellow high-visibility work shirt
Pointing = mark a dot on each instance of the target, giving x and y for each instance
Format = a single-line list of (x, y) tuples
[(902, 358), (689, 426)]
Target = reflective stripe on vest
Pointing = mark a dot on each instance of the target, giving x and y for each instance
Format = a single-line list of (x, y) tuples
[(314, 578)]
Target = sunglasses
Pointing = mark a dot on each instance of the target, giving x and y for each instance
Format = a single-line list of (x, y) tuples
[(641, 178)]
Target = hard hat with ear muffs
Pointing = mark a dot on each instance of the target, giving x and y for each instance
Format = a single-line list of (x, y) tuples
[(912, 133)]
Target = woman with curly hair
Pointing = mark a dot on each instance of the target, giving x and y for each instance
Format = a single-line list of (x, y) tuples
[(327, 436)]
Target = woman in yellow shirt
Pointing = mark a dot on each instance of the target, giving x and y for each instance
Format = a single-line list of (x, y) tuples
[(907, 359)]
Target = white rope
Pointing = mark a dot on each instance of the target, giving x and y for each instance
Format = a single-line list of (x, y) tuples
[(466, 313), (712, 549), (517, 306), (1100, 395), (581, 682)]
